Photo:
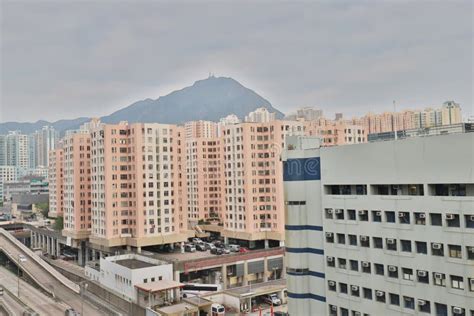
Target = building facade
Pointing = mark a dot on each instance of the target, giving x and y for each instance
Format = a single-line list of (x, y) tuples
[(56, 182), (381, 228)]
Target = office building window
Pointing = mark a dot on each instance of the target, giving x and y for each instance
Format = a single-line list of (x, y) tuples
[(405, 245), (408, 302), (378, 242), (379, 268), (455, 251), (394, 299), (457, 282), (390, 217), (421, 247), (407, 274), (367, 293)]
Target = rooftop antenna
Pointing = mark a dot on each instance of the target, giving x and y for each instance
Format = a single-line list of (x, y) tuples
[(394, 119)]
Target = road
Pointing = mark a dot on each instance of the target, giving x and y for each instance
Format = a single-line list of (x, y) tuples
[(46, 276), (11, 305), (34, 298)]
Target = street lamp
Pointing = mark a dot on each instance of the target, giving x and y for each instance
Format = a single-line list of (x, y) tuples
[(83, 287)]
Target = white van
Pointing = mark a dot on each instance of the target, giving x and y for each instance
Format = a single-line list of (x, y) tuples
[(217, 310)]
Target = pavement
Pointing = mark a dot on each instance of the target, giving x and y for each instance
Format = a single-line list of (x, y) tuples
[(31, 296), (46, 278), (10, 306)]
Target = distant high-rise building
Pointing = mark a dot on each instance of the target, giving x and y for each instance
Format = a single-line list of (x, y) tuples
[(260, 115), (450, 113), (309, 113), (17, 150), (45, 140), (338, 116), (3, 150), (56, 182)]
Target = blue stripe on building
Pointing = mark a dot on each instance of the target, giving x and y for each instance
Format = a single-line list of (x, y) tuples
[(306, 296), (302, 169), (303, 227), (310, 273), (305, 250)]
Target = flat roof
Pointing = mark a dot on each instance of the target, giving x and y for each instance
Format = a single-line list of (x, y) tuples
[(158, 286), (177, 308), (134, 263)]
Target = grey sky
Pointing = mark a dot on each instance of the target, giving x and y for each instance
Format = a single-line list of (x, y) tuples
[(64, 60)]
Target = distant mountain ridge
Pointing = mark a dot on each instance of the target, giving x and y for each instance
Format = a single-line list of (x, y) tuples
[(207, 99)]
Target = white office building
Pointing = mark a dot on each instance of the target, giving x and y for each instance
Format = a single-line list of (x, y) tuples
[(383, 228)]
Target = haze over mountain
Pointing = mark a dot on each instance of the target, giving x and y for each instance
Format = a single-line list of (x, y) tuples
[(207, 99)]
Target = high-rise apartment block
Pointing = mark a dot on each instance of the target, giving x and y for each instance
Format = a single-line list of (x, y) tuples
[(56, 182), (382, 228), (260, 115)]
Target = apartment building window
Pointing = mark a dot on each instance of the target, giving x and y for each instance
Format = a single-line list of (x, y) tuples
[(364, 216), (377, 216), (342, 263), (365, 267), (404, 217), (343, 288), (469, 220), (452, 220), (457, 282), (361, 189), (352, 240), (407, 274), (405, 245), (367, 293), (380, 296), (439, 279), (421, 247), (355, 290), (420, 218), (408, 302), (424, 306), (437, 249), (379, 268), (470, 252), (339, 213), (423, 277), (390, 216), (341, 239), (330, 261), (392, 272), (391, 244), (441, 309), (329, 213), (378, 242), (436, 219), (364, 241), (332, 310), (354, 264), (455, 251), (471, 284), (330, 237), (332, 286), (344, 311), (351, 215), (394, 299)]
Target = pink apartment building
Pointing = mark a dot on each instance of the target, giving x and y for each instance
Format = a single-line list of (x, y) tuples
[(55, 180), (138, 196), (204, 175), (336, 133), (254, 204), (77, 185)]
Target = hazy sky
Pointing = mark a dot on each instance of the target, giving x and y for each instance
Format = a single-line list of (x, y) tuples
[(64, 60)]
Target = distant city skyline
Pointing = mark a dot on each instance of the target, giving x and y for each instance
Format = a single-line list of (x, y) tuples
[(63, 61)]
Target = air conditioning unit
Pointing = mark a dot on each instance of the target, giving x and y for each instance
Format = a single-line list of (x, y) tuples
[(338, 211), (330, 259), (436, 246), (357, 314), (457, 310), (422, 273), (334, 308), (395, 187), (367, 264), (361, 212), (401, 214), (471, 218), (438, 276), (471, 249), (392, 268), (421, 302), (330, 211), (390, 241), (354, 288), (378, 213), (379, 293), (422, 215), (331, 283), (328, 234), (471, 282), (449, 216), (364, 238)]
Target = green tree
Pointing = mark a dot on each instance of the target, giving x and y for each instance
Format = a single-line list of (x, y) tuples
[(44, 208), (59, 223)]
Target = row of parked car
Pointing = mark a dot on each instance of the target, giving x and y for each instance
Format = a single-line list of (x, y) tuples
[(216, 247)]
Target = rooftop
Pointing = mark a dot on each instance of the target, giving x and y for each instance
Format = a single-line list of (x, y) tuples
[(134, 263), (158, 286)]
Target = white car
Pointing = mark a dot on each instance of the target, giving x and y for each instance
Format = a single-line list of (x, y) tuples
[(22, 258), (272, 299)]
